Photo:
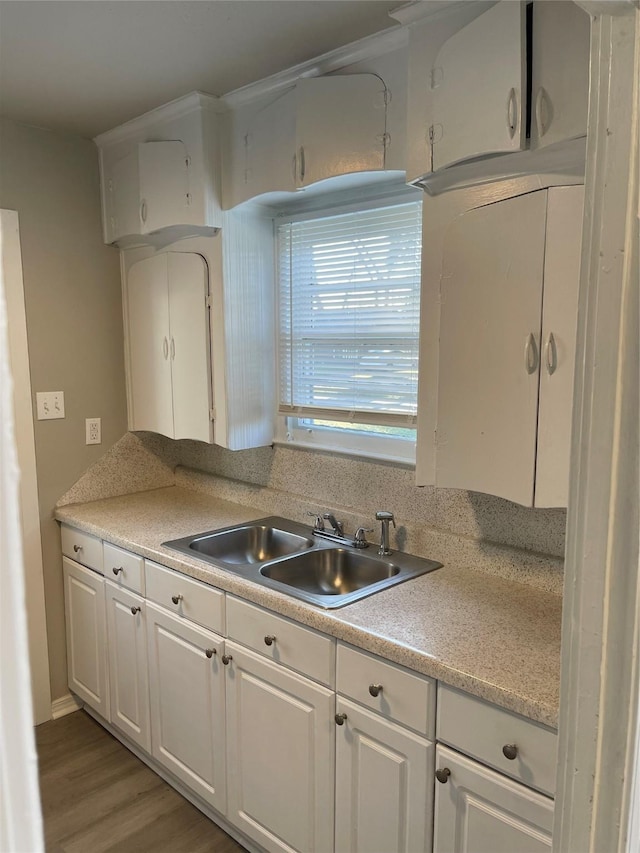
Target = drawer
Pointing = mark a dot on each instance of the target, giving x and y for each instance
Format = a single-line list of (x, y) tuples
[(196, 601), (403, 696), (281, 640), (482, 730), (124, 568), (82, 547)]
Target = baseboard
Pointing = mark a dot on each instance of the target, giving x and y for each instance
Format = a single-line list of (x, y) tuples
[(65, 705)]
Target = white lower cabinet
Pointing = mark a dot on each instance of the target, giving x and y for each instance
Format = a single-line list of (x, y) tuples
[(480, 811), (86, 635), (186, 686), (128, 679), (280, 754), (384, 788)]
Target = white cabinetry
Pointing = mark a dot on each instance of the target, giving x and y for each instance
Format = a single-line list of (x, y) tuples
[(160, 171), (478, 810), (187, 703), (168, 337), (384, 790), (86, 635), (127, 648), (467, 115), (280, 748), (321, 128), (493, 385), (560, 68), (479, 88)]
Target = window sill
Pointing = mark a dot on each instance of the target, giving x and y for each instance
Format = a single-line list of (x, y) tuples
[(389, 458)]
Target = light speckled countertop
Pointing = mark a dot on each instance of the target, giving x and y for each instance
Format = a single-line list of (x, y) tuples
[(494, 638)]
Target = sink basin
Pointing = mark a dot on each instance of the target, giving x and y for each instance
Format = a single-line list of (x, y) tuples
[(283, 555), (252, 543), (330, 571)]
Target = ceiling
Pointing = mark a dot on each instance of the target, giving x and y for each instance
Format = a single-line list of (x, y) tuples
[(86, 66)]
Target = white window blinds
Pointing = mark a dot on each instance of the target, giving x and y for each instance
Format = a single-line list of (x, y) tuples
[(349, 304)]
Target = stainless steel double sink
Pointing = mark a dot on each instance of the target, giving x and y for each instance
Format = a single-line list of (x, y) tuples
[(286, 556)]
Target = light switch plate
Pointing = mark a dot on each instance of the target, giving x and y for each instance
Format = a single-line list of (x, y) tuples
[(50, 405)]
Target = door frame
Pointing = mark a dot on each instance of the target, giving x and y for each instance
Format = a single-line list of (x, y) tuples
[(25, 445), (599, 760)]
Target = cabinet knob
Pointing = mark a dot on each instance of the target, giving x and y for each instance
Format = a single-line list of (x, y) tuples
[(135, 610), (375, 689), (510, 751), (117, 570), (443, 775), (176, 599), (226, 659), (269, 640), (77, 548), (340, 719), (210, 652)]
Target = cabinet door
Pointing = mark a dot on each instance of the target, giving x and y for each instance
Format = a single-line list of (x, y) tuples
[(122, 198), (559, 319), (560, 68), (479, 811), (384, 789), (340, 126), (86, 635), (189, 345), (491, 303), (280, 755), (164, 185), (270, 148), (478, 81), (128, 678), (148, 338), (187, 703)]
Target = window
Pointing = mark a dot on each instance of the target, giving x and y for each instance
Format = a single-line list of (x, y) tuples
[(349, 303)]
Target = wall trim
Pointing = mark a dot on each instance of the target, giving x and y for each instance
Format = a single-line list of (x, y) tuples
[(65, 705)]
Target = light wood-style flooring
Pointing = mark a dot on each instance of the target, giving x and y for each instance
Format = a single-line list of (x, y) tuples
[(97, 797)]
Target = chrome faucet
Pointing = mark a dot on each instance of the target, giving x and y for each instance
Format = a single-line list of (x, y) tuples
[(338, 526), (386, 518)]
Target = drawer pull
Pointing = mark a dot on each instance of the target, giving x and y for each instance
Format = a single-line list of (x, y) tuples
[(375, 689), (117, 571), (269, 640), (340, 719), (135, 610), (443, 775), (226, 659), (210, 652), (510, 751), (77, 548), (176, 599)]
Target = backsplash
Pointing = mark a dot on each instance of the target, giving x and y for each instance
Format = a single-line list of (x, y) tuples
[(455, 527), (333, 480)]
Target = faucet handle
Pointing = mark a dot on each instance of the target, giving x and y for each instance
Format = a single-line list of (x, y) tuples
[(319, 523), (384, 515), (360, 538)]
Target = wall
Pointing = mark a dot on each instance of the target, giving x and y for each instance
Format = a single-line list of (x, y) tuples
[(74, 323)]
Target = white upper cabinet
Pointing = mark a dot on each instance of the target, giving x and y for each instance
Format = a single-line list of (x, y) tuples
[(479, 88), (340, 126), (505, 362), (559, 322), (168, 338), (161, 171), (491, 299), (560, 66), (321, 128)]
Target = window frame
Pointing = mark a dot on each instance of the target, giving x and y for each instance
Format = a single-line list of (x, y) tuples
[(290, 427)]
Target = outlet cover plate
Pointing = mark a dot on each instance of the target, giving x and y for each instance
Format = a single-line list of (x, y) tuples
[(93, 428)]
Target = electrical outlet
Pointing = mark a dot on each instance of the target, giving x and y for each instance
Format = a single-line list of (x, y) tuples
[(93, 428), (50, 405)]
